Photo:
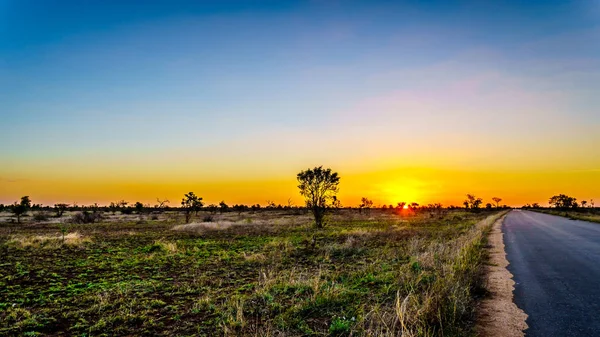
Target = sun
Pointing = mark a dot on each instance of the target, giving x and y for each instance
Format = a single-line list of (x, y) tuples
[(396, 192)]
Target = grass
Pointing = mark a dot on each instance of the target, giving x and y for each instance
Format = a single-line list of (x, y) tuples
[(592, 215), (267, 274)]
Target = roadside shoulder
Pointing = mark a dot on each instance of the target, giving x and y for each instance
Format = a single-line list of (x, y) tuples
[(498, 315)]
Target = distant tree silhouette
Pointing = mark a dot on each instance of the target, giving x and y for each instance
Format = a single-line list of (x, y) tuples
[(212, 208), (583, 203), (113, 207), (318, 186), (223, 207), (190, 203), (413, 206), (365, 204), (400, 206), (162, 204), (488, 206), (60, 209), (239, 208), (497, 201), (473, 202), (20, 208), (563, 201), (139, 207)]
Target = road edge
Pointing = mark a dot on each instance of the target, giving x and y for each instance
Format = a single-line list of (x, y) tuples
[(497, 314)]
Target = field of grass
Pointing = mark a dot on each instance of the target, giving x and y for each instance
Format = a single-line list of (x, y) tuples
[(592, 215), (248, 274)]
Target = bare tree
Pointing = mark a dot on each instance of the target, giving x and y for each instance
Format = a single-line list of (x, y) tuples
[(161, 203), (318, 186)]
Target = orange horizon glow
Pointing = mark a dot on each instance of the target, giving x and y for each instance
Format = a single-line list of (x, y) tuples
[(421, 185)]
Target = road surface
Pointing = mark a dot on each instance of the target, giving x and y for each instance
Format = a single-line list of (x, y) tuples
[(556, 266)]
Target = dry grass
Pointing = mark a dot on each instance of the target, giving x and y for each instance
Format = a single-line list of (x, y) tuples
[(48, 241), (249, 274)]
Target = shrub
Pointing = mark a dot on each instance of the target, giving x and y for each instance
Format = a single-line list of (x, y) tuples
[(41, 216), (86, 217), (208, 218)]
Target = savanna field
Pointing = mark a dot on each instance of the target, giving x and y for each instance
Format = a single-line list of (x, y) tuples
[(264, 273)]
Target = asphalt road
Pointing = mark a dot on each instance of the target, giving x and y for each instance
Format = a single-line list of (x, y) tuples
[(556, 266)]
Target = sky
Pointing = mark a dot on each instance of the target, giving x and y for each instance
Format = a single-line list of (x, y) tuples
[(420, 101)]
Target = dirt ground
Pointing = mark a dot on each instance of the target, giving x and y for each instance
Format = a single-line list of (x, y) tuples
[(498, 315)]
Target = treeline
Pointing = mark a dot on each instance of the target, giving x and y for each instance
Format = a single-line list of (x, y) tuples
[(318, 187), (565, 202)]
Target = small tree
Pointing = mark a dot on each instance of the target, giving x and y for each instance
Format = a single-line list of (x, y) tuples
[(162, 204), (473, 202), (413, 207), (583, 203), (318, 186), (365, 204), (139, 207), (223, 207), (190, 203), (400, 206), (21, 208), (497, 201), (60, 209)]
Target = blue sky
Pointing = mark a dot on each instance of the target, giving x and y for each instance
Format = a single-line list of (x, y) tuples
[(282, 84)]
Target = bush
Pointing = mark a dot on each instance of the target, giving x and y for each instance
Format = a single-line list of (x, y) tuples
[(86, 217), (41, 216), (208, 218), (127, 210)]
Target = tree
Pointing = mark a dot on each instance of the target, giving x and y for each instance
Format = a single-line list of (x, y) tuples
[(583, 203), (488, 206), (190, 203), (113, 207), (497, 201), (223, 207), (473, 202), (365, 204), (60, 209), (139, 207), (563, 201), (400, 206), (21, 208), (239, 208), (318, 186), (162, 204), (413, 206)]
